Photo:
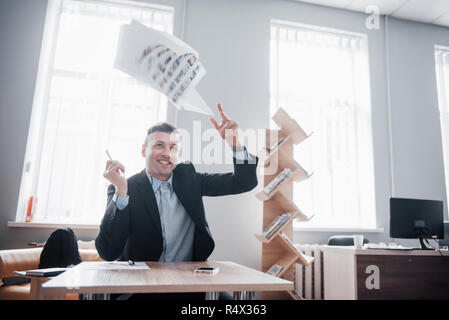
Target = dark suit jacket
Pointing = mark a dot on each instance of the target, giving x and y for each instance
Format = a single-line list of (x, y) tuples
[(135, 233)]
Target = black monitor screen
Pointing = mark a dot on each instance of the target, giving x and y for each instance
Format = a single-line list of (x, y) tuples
[(407, 216)]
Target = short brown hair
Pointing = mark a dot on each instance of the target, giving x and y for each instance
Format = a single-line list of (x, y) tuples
[(161, 127)]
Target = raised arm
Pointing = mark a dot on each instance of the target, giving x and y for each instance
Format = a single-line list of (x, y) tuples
[(244, 177), (114, 227)]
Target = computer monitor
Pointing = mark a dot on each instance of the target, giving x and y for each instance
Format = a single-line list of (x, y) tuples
[(416, 218), (445, 241)]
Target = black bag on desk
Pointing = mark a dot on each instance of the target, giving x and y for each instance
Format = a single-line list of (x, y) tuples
[(60, 250)]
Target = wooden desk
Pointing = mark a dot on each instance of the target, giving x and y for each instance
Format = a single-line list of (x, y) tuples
[(363, 274), (164, 277)]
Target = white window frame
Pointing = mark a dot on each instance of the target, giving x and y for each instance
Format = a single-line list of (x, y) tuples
[(30, 179), (274, 104)]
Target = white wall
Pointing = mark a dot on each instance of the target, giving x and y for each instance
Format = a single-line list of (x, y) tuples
[(416, 134), (232, 38), (21, 25)]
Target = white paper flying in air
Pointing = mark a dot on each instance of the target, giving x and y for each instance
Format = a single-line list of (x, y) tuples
[(164, 62)]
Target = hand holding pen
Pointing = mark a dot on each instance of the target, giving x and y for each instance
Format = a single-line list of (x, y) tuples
[(114, 174)]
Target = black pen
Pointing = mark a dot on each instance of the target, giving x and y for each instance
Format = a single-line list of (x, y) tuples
[(131, 263)]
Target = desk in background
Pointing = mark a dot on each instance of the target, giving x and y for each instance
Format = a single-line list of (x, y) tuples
[(351, 273)]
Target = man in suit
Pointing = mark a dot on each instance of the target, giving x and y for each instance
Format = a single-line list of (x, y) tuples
[(158, 214)]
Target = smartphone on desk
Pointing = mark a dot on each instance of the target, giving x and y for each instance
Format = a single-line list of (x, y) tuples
[(206, 270)]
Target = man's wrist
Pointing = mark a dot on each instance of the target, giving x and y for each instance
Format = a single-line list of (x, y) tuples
[(240, 153), (122, 193), (120, 202), (237, 147), (116, 196)]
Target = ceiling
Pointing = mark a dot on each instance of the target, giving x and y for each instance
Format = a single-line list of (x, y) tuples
[(428, 11)]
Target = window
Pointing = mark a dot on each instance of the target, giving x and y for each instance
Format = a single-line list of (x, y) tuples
[(82, 107), (442, 72), (321, 78)]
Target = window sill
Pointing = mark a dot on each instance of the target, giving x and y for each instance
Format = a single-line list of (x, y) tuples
[(349, 230), (43, 225)]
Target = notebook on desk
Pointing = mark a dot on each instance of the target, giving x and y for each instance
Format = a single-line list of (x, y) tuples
[(48, 272)]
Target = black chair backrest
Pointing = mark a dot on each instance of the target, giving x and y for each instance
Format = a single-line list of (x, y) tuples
[(343, 241), (60, 250)]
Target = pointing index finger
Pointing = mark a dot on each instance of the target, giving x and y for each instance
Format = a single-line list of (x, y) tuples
[(223, 116)]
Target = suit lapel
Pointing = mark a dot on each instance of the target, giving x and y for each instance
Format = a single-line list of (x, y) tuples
[(146, 190)]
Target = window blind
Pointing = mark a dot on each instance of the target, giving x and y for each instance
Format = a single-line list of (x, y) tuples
[(321, 78)]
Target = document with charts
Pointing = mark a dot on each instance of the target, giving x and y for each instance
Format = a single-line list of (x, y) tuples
[(163, 62)]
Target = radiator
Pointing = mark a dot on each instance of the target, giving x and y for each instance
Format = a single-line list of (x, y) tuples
[(309, 281)]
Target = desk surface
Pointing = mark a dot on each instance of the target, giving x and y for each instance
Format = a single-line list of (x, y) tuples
[(166, 277), (354, 251)]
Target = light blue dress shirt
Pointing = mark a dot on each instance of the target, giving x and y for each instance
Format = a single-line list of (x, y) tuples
[(178, 228)]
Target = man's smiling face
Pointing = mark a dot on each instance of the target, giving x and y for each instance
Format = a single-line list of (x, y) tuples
[(161, 154)]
